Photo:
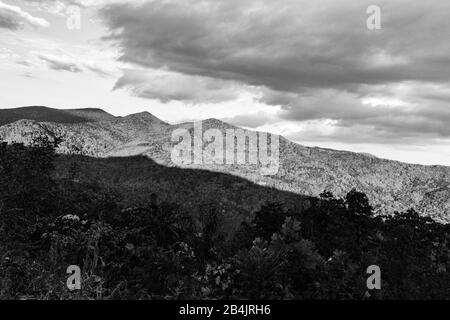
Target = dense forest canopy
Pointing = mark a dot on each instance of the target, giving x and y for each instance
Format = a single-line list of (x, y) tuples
[(50, 220)]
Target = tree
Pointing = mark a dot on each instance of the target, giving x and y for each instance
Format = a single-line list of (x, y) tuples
[(269, 220), (358, 203)]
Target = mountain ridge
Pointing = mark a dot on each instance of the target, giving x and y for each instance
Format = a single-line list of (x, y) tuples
[(391, 185), (46, 114)]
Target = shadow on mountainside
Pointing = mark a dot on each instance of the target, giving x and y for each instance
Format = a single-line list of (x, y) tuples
[(137, 178), (139, 230), (390, 185)]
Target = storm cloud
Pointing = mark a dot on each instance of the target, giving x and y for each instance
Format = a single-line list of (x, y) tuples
[(315, 59), (166, 86), (60, 65), (14, 18), (288, 45)]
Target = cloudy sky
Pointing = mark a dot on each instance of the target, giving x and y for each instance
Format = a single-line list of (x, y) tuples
[(310, 70)]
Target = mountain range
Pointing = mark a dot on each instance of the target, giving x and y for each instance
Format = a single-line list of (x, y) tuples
[(306, 171)]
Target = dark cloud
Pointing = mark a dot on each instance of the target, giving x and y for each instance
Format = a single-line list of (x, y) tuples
[(8, 21), (166, 86), (60, 65), (14, 18), (288, 45), (415, 115), (71, 64), (365, 135), (252, 120), (314, 58), (100, 71)]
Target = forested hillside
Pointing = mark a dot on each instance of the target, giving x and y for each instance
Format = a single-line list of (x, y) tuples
[(50, 218), (391, 185)]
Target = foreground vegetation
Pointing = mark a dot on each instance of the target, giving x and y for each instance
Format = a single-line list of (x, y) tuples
[(162, 251)]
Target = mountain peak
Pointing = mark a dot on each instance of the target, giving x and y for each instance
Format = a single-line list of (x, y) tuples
[(211, 123), (46, 114), (145, 116), (141, 114), (91, 114), (303, 170)]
